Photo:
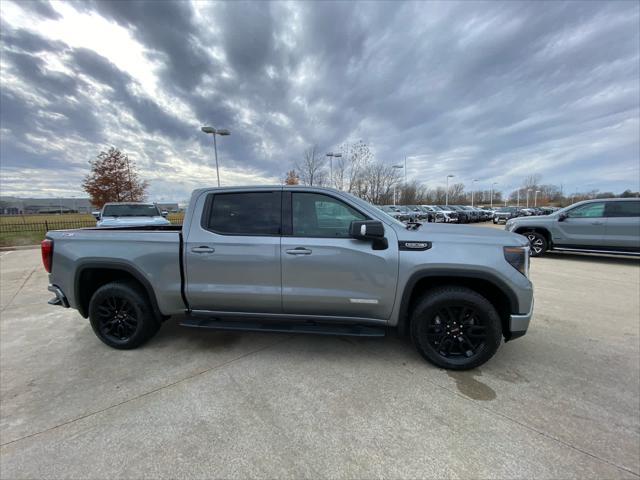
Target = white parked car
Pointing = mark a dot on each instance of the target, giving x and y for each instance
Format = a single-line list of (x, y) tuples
[(130, 215)]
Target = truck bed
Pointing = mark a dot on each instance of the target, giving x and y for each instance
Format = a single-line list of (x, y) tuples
[(150, 253)]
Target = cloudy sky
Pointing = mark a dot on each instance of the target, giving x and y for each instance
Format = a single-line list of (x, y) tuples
[(487, 90)]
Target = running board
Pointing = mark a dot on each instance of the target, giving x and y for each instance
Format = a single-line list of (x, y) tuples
[(605, 252), (312, 328)]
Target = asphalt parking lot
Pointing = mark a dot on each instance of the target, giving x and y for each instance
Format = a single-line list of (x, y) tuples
[(562, 402)]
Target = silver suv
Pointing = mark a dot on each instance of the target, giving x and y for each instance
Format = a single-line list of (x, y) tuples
[(594, 226)]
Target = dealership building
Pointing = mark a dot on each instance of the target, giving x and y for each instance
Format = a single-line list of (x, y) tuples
[(23, 206)]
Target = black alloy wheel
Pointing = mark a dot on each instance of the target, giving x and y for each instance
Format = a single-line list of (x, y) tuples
[(122, 316), (455, 327), (117, 319), (457, 331)]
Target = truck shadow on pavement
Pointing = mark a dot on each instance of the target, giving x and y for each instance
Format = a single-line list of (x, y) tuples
[(341, 350)]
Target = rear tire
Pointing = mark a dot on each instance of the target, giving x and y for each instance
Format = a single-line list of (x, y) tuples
[(537, 242), (121, 315), (455, 328)]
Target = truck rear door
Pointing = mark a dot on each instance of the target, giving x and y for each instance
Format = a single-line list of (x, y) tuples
[(232, 253)]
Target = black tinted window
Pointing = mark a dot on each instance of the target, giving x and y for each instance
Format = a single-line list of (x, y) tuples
[(623, 209), (316, 215), (245, 213)]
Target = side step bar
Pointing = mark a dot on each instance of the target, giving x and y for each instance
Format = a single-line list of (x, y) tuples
[(605, 252), (313, 328)]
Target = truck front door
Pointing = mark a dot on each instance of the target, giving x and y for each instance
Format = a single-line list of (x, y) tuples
[(232, 254), (324, 271)]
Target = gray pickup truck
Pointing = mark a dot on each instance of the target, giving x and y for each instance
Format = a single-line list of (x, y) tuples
[(303, 260), (609, 226)]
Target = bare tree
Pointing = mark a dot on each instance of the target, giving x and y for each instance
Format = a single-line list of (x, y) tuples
[(348, 169), (413, 193), (312, 168), (456, 193), (376, 183)]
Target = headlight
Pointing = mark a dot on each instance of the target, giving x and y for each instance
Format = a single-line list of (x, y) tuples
[(518, 258)]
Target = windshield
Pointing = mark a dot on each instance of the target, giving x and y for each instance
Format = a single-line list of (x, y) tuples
[(505, 209), (130, 210)]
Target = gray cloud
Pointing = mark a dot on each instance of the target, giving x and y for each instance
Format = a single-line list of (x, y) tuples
[(493, 91)]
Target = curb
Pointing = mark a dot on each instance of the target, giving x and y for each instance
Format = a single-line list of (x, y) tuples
[(19, 247)]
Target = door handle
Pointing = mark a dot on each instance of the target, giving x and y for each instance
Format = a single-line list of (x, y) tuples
[(299, 251), (203, 249), (597, 223)]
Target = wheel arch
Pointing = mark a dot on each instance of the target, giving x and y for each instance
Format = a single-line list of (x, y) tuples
[(92, 275), (541, 230), (495, 290)]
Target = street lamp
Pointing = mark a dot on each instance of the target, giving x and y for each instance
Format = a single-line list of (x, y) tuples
[(494, 183), (394, 185), (518, 204), (331, 156), (528, 190), (472, 191), (535, 198), (216, 131), (446, 194)]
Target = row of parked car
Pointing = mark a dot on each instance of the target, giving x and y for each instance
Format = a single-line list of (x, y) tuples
[(503, 214), (460, 213), (438, 213)]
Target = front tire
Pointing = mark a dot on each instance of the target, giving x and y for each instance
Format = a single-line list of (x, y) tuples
[(537, 242), (455, 328), (121, 315)]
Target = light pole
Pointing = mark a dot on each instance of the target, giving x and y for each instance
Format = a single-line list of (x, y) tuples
[(331, 156), (405, 169), (535, 198), (446, 195), (472, 189), (528, 190), (394, 183), (518, 204), (216, 131), (494, 183)]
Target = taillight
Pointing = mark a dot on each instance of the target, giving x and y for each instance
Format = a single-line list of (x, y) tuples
[(46, 246)]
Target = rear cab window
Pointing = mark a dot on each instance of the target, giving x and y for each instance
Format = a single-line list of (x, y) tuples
[(243, 213)]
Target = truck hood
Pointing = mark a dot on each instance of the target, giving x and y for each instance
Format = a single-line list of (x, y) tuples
[(433, 232), (132, 221)]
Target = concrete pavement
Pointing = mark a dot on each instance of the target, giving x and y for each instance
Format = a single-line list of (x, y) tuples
[(562, 402)]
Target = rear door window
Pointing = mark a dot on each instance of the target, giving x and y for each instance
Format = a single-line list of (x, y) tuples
[(623, 209), (245, 213)]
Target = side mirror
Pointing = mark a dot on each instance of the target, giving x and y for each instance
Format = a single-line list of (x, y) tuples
[(369, 230), (164, 213), (96, 215), (562, 217), (366, 229)]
